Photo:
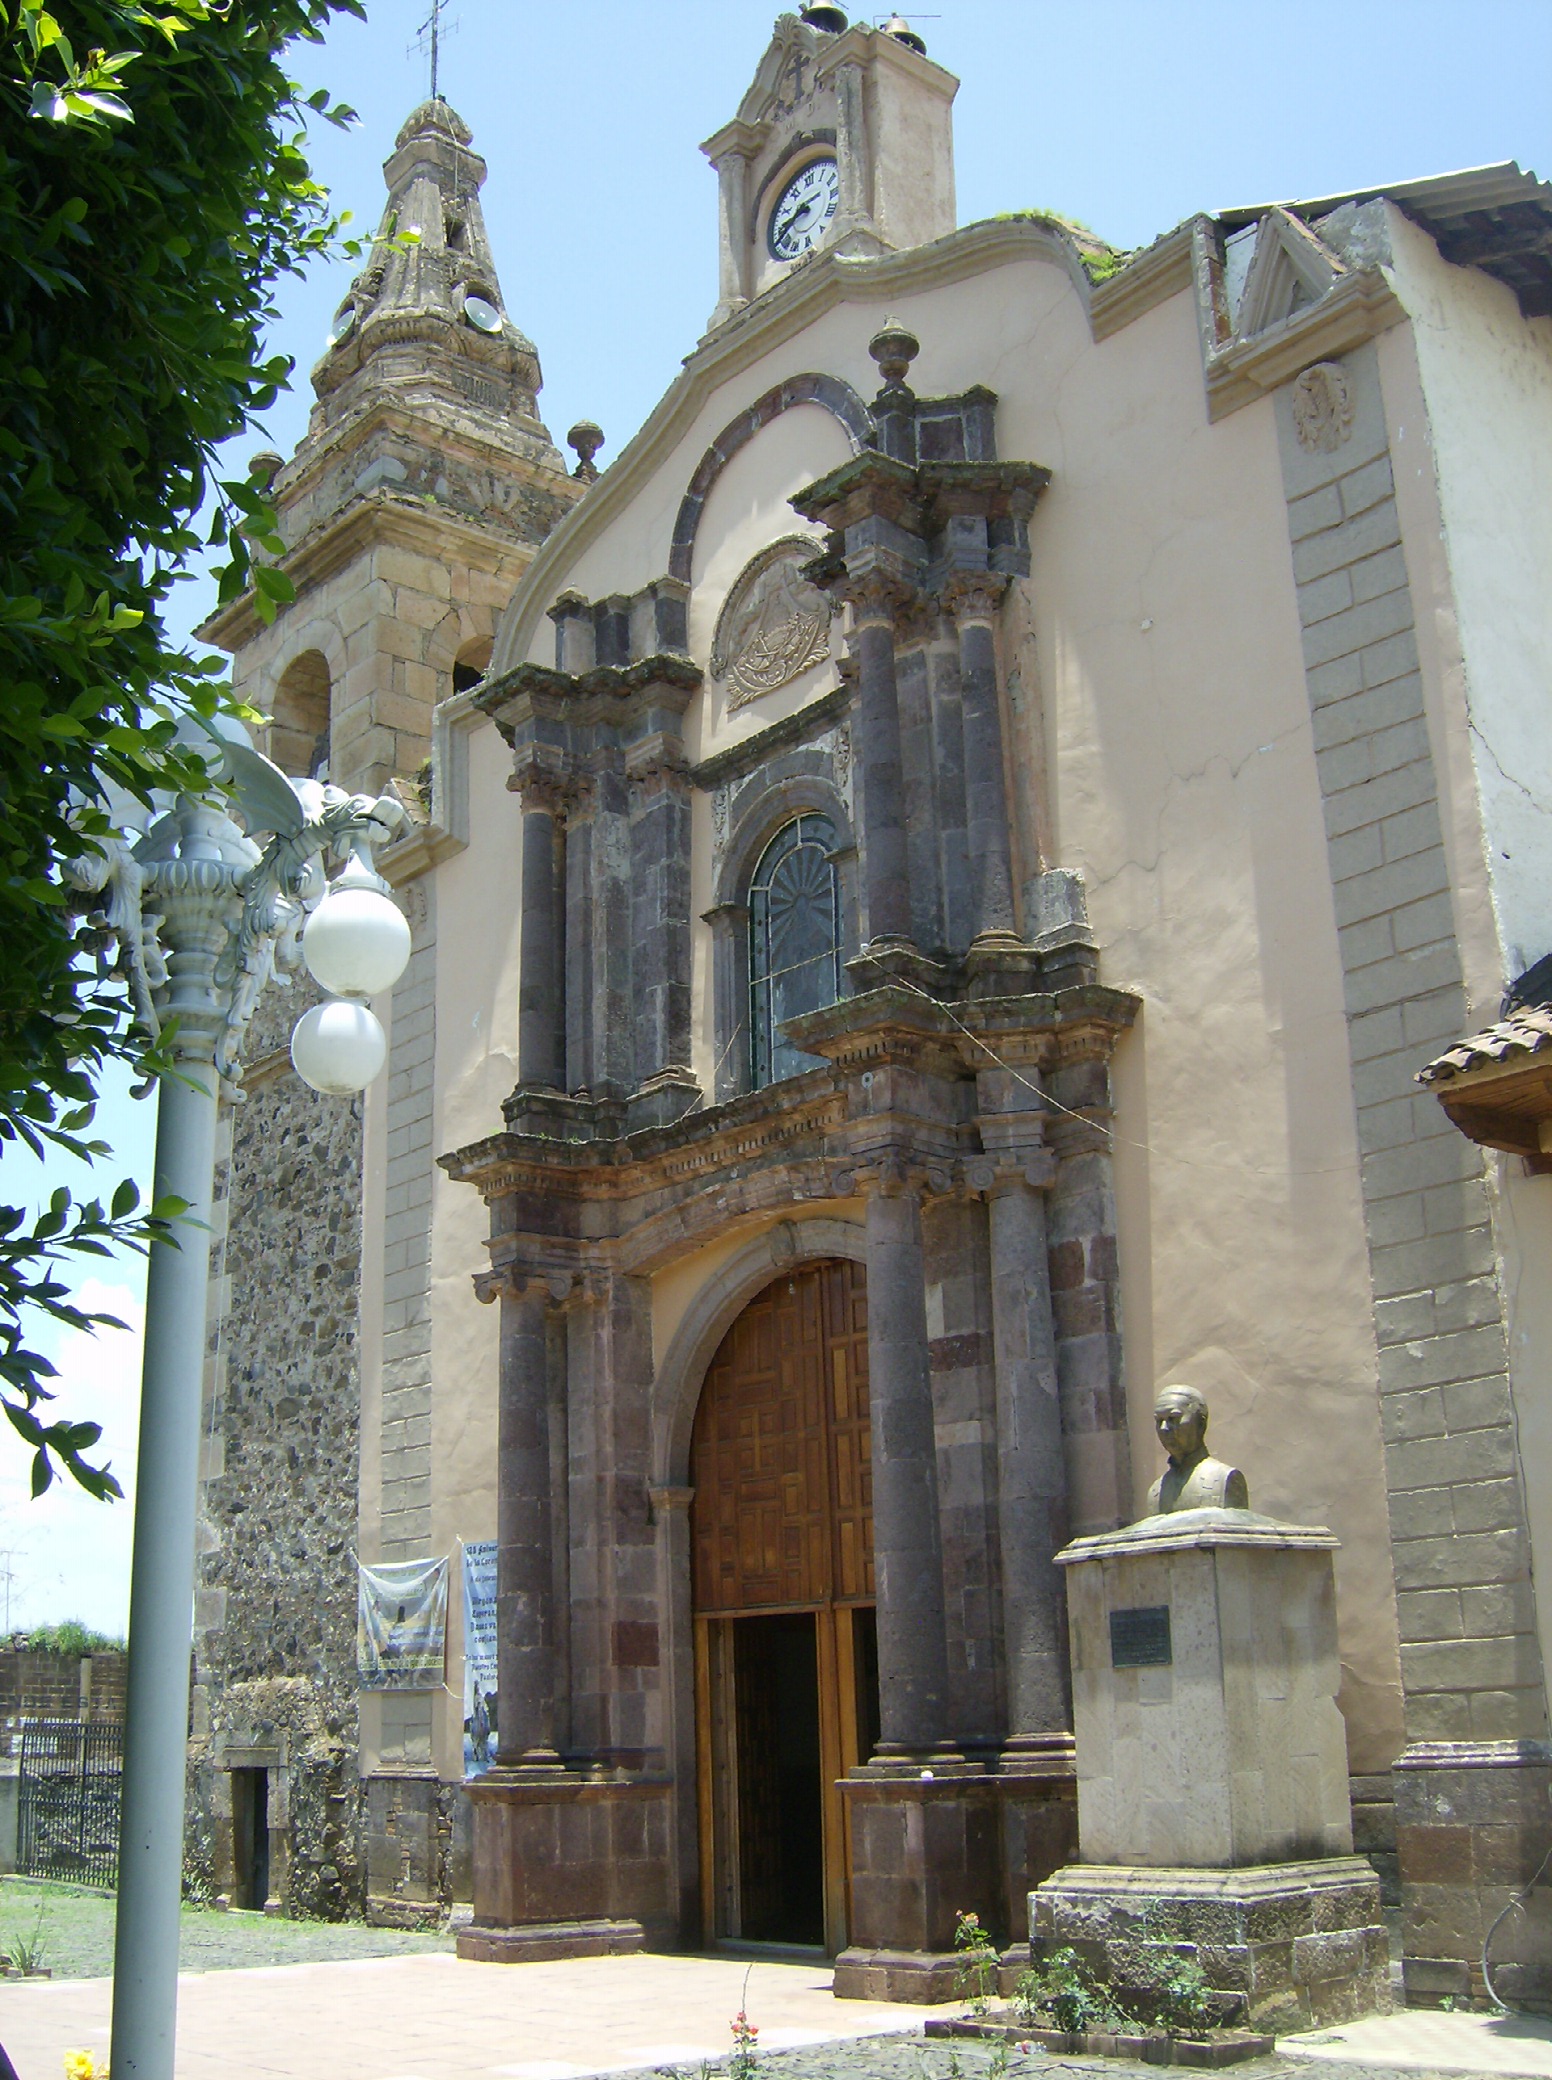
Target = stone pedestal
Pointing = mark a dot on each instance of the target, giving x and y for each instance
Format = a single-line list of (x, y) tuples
[(1304, 1943), (568, 1864), (925, 1849), (1213, 1806)]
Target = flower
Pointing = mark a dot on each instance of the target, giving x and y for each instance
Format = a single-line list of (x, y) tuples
[(80, 2065)]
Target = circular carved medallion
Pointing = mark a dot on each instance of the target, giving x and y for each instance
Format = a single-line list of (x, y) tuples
[(774, 624)]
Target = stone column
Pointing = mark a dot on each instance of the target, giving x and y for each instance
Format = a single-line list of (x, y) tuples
[(730, 997), (885, 858), (973, 598), (1031, 1473), (732, 235), (907, 1540), (660, 929), (525, 1583), (539, 972)]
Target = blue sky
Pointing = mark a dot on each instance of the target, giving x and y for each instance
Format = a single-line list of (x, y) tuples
[(1126, 114)]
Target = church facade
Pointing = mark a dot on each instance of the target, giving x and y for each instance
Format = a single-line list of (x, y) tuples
[(936, 877)]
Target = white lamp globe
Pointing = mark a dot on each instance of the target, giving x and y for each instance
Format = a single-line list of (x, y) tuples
[(356, 942), (338, 1047)]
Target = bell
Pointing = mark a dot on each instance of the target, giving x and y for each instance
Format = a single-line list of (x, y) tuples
[(819, 15), (900, 29)]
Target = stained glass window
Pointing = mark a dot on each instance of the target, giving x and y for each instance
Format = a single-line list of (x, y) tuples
[(794, 941)]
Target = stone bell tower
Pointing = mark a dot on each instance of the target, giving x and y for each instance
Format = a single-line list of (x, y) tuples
[(412, 507), (419, 493)]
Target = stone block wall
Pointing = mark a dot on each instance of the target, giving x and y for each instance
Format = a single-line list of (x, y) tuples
[(1470, 1662), (275, 1597), (1472, 1676)]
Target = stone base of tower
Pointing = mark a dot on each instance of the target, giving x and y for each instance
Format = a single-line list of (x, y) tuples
[(925, 1849), (1471, 1834), (568, 1864)]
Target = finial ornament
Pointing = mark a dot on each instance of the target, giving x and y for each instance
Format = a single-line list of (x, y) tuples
[(586, 439), (894, 348), (1192, 1479)]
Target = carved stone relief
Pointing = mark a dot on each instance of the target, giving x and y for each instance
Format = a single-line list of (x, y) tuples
[(1322, 402), (774, 624)]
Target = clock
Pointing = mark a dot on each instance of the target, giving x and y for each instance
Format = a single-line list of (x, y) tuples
[(803, 210)]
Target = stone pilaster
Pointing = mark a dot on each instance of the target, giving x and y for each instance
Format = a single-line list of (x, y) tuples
[(658, 782), (539, 1022), (907, 1541), (524, 1572), (1031, 1472), (886, 876), (1086, 1298), (973, 597)]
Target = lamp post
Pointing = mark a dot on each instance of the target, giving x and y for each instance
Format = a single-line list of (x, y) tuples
[(205, 917)]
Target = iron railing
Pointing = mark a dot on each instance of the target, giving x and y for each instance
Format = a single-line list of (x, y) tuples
[(70, 1779)]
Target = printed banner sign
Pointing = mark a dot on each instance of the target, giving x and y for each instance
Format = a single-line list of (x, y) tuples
[(401, 1625), (479, 1656)]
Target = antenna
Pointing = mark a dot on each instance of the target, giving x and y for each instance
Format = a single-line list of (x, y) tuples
[(432, 30)]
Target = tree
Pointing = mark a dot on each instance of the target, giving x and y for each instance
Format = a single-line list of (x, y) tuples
[(154, 190)]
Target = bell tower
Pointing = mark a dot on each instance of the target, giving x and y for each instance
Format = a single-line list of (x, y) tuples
[(844, 144), (417, 497)]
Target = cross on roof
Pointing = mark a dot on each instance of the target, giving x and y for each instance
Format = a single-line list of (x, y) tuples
[(429, 39)]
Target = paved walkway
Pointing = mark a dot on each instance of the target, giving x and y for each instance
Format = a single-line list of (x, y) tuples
[(1425, 2038), (438, 2018), (433, 2017)]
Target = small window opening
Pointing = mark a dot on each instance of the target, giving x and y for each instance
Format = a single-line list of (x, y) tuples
[(794, 942), (250, 1837)]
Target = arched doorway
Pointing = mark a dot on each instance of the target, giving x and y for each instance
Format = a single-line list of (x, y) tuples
[(786, 1653)]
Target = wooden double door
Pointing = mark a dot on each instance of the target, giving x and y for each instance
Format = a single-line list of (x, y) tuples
[(786, 1646)]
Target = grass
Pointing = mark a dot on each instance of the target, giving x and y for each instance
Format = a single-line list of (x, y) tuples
[(72, 1927)]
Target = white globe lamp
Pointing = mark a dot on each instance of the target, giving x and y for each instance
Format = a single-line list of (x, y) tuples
[(357, 942), (339, 1047)]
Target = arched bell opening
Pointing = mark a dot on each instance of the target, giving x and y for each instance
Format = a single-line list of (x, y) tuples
[(783, 1600)]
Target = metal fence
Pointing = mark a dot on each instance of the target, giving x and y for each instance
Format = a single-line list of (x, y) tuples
[(71, 1774)]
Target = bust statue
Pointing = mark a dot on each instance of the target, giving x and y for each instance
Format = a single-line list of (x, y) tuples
[(1192, 1479)]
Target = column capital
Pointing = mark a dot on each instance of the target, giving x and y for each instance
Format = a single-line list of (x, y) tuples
[(657, 764), (1009, 1169), (893, 1177), (877, 594), (667, 1501), (973, 595), (524, 1282), (545, 784)]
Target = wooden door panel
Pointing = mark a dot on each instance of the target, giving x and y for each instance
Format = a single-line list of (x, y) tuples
[(779, 1457)]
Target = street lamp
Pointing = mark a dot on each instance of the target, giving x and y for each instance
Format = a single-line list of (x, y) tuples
[(205, 916)]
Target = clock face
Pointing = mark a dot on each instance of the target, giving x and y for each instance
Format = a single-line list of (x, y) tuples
[(803, 210)]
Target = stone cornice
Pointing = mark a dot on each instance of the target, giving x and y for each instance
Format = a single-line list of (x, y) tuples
[(805, 1121), (376, 519), (601, 694), (733, 762), (1149, 278)]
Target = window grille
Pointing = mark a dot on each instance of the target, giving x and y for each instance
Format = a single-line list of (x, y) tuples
[(794, 942)]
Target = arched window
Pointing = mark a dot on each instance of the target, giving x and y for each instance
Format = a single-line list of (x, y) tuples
[(299, 733), (794, 941)]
